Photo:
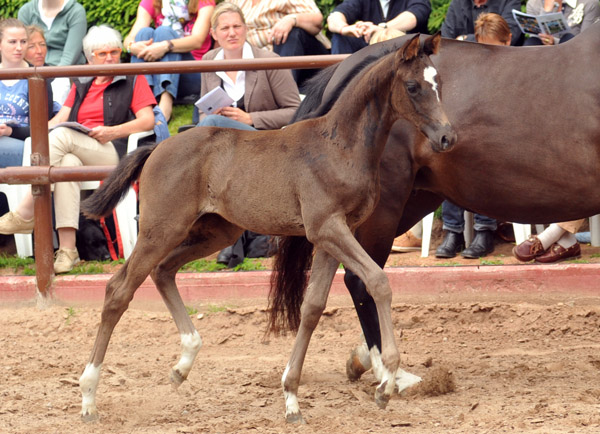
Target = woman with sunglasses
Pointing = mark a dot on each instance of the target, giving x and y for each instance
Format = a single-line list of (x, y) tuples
[(111, 108)]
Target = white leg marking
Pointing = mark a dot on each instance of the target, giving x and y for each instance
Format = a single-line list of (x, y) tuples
[(88, 382), (362, 351), (403, 379), (429, 75), (291, 400), (190, 345)]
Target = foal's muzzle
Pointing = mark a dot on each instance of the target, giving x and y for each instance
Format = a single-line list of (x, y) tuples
[(441, 136)]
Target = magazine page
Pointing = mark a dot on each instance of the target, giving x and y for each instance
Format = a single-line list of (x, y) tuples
[(550, 24), (213, 100), (74, 126)]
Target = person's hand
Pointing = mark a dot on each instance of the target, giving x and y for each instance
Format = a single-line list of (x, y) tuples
[(352, 30), (279, 32), (137, 47), (154, 51), (5, 130), (546, 39), (368, 29), (103, 134), (236, 114), (549, 5)]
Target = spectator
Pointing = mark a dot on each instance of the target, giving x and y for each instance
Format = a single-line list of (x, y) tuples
[(64, 25), (556, 243), (180, 33), (127, 103), (287, 27), (14, 94), (490, 28), (580, 14), (263, 100), (353, 22), (462, 14), (381, 35), (36, 56)]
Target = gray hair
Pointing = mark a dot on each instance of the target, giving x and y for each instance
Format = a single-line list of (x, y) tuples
[(101, 36)]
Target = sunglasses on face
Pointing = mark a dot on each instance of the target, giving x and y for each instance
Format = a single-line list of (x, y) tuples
[(101, 54)]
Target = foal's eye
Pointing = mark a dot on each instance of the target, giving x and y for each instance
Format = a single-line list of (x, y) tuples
[(412, 87)]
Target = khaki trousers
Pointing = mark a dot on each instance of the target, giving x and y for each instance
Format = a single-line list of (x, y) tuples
[(70, 148), (571, 226)]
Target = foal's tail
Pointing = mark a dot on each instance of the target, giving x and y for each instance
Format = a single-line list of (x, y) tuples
[(113, 189), (288, 283)]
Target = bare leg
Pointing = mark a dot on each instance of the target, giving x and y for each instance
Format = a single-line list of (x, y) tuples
[(315, 300), (166, 104), (67, 237)]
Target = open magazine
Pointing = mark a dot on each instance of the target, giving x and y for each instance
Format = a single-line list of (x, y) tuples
[(214, 100), (553, 24), (73, 125)]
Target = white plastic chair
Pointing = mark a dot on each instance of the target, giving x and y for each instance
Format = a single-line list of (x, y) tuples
[(126, 210), (523, 231)]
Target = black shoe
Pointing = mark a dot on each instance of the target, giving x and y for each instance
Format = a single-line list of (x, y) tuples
[(453, 243), (225, 255), (482, 245)]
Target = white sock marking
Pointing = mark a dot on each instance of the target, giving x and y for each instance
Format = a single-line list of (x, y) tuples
[(429, 75), (190, 345), (88, 382)]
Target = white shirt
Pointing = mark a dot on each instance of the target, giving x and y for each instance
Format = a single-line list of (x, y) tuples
[(238, 89)]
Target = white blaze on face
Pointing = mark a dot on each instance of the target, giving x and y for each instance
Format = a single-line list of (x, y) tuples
[(429, 75)]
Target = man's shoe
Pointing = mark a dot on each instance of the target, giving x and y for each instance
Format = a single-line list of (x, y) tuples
[(225, 255), (529, 249), (13, 223), (65, 260), (482, 245), (557, 253), (406, 242), (453, 243)]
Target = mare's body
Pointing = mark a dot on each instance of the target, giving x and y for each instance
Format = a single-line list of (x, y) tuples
[(318, 178), (512, 161)]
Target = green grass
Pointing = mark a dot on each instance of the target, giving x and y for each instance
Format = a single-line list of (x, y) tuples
[(490, 261), (213, 308), (182, 115), (191, 310), (71, 312)]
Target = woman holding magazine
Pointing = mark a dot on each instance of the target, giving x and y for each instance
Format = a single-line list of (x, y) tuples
[(579, 15), (109, 108)]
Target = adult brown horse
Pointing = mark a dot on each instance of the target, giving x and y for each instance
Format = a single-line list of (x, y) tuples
[(528, 150), (318, 178)]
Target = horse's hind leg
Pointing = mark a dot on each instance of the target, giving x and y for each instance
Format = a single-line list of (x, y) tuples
[(315, 300), (210, 234)]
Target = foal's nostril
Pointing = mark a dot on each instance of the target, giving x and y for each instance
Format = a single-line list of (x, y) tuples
[(445, 143)]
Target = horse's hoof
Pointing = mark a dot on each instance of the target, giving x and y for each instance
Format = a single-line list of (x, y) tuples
[(354, 368), (295, 418), (381, 398), (176, 378), (404, 380), (89, 416)]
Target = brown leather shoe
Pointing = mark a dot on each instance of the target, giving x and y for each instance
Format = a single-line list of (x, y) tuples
[(557, 253), (529, 249)]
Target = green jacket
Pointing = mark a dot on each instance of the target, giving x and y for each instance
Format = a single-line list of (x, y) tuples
[(65, 37)]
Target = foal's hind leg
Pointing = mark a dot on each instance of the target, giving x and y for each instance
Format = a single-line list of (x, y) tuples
[(315, 300), (209, 235)]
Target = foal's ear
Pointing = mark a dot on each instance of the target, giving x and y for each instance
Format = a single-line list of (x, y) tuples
[(432, 44), (409, 50)]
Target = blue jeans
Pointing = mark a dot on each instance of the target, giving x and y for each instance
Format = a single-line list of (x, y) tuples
[(454, 219), (537, 41), (224, 122), (11, 152), (175, 84), (346, 44), (301, 43)]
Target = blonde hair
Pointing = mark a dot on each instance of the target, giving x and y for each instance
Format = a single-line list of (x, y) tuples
[(223, 8), (385, 34), (33, 29), (10, 23), (492, 26)]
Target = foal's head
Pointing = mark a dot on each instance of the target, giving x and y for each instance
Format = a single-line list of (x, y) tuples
[(417, 90)]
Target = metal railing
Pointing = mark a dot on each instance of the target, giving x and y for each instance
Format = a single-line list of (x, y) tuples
[(40, 174)]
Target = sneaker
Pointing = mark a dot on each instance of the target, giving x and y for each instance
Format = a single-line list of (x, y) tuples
[(13, 223), (406, 242), (65, 260)]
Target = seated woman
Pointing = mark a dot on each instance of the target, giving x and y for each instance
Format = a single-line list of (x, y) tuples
[(180, 33), (14, 94), (127, 103), (36, 56), (64, 25), (263, 100)]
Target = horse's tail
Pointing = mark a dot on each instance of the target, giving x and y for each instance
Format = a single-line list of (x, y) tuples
[(288, 283), (113, 189)]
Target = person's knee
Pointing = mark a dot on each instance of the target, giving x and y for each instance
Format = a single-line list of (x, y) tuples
[(210, 121), (145, 34), (70, 160), (164, 33)]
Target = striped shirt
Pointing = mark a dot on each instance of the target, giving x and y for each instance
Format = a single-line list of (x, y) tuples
[(267, 13)]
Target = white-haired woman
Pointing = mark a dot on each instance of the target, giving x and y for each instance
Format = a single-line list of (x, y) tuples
[(112, 107)]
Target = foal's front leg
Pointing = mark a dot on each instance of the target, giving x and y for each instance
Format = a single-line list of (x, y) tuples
[(315, 300)]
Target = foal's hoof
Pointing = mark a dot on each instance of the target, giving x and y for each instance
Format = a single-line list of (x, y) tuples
[(295, 418), (404, 380), (88, 416), (354, 368), (176, 378), (381, 398)]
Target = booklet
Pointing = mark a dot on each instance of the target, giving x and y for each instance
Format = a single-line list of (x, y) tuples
[(553, 24), (213, 100), (73, 125)]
